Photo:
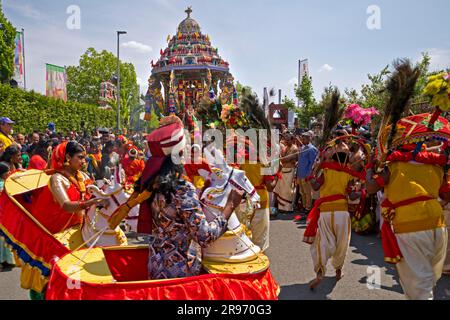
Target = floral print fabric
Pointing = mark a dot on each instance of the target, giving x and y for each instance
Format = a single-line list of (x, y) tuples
[(180, 231)]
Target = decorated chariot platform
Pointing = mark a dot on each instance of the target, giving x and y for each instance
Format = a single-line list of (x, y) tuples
[(62, 268)]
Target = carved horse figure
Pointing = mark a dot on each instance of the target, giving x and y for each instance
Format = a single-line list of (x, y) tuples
[(96, 218), (234, 246)]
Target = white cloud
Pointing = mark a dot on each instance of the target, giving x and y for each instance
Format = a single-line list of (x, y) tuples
[(293, 81), (25, 10), (326, 67), (167, 5), (440, 58), (137, 46), (143, 84)]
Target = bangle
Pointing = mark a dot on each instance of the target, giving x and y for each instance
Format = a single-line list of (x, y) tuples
[(82, 205)]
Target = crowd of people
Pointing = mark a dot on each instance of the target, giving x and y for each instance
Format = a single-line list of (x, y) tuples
[(98, 155), (294, 194), (104, 150), (333, 188)]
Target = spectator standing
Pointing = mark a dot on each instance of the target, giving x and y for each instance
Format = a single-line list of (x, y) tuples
[(306, 159), (6, 129)]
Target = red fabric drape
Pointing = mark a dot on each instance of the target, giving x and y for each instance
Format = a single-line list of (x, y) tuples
[(313, 217), (128, 265), (392, 253), (361, 206), (259, 286), (27, 234), (336, 166)]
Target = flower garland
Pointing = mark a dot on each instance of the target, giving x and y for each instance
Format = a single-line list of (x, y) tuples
[(233, 117)]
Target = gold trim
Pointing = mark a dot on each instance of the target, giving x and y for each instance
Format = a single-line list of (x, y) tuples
[(396, 259), (233, 233), (319, 254), (330, 207), (258, 265), (332, 223)]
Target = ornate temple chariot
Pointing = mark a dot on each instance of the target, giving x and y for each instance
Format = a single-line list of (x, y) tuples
[(187, 70)]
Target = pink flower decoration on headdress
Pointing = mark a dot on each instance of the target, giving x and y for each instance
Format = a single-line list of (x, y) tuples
[(359, 116)]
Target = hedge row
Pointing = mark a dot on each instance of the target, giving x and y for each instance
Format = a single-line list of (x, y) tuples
[(33, 111)]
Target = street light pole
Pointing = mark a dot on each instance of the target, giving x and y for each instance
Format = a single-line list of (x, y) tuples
[(118, 79), (24, 69)]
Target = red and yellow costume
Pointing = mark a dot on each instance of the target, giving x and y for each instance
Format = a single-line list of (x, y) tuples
[(329, 226), (260, 223), (48, 201), (132, 166), (414, 236), (193, 172)]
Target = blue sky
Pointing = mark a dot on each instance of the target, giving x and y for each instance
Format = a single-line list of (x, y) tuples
[(262, 39)]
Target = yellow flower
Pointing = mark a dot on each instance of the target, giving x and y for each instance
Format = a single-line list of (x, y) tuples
[(435, 77), (442, 101)]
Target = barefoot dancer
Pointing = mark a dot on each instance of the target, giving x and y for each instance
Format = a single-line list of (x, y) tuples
[(329, 224)]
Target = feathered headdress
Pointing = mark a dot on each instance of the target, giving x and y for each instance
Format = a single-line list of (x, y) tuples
[(333, 114), (254, 112), (400, 88)]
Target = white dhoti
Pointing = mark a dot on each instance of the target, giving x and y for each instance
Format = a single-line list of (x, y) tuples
[(260, 228), (284, 190), (423, 258), (332, 240), (447, 258)]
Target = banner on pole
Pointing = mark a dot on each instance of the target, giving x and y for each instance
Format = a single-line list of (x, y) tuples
[(303, 70), (19, 70), (56, 82)]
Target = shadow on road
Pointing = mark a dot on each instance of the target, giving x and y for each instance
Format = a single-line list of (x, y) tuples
[(442, 291), (284, 216), (6, 269), (370, 247), (302, 291)]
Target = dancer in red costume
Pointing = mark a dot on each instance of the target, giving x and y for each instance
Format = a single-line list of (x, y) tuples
[(61, 204)]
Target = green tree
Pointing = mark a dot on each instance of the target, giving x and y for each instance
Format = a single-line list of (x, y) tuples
[(309, 108), (424, 66), (374, 93), (289, 104), (352, 96), (7, 47), (95, 67), (240, 87)]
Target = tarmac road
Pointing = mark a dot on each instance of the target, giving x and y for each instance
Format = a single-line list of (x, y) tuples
[(292, 268)]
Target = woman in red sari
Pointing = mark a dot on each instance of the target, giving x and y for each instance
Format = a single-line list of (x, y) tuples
[(61, 204), (40, 155)]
